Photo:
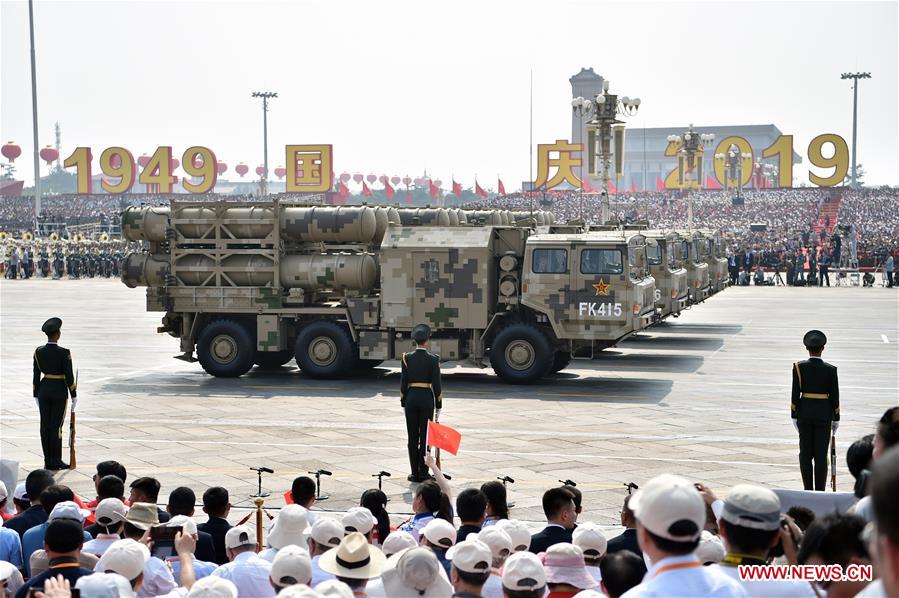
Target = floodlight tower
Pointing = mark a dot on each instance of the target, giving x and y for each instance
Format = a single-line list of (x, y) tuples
[(265, 95), (855, 77)]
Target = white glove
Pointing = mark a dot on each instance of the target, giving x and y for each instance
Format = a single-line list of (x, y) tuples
[(795, 423), (437, 416), (834, 426), (74, 403)]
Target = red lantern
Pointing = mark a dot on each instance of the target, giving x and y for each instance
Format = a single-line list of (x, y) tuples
[(395, 180), (11, 151), (143, 160), (437, 182), (49, 154), (221, 167), (406, 180), (371, 178), (175, 163), (418, 181), (242, 169), (383, 178), (260, 170), (198, 162), (344, 176), (280, 172), (358, 178), (115, 160)]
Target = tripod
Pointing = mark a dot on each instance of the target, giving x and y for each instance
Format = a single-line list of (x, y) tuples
[(318, 483)]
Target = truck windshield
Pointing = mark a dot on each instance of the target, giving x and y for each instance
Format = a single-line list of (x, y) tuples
[(712, 252), (697, 250), (654, 253), (550, 261), (601, 261), (670, 250)]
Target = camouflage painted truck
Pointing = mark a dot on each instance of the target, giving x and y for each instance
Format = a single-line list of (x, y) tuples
[(340, 288), (664, 254), (694, 248), (716, 258)]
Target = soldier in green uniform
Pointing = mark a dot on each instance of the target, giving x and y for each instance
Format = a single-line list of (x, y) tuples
[(420, 394), (52, 384), (815, 408)]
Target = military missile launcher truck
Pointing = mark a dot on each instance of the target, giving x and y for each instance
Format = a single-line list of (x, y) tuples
[(716, 258), (340, 288), (694, 247), (664, 253)]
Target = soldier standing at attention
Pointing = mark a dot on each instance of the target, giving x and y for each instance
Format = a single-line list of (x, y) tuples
[(815, 408), (420, 394), (52, 391)]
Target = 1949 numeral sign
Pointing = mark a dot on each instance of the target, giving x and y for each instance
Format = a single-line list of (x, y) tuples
[(118, 163)]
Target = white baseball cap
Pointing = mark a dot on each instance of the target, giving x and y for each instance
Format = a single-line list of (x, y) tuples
[(417, 573), (710, 549), (4, 493), (397, 542), (125, 557), (299, 590), (753, 507), (239, 535), (670, 507), (523, 571), (333, 588), (20, 493), (110, 511), (471, 556), (564, 563), (328, 532), (518, 532), (188, 525), (589, 538), (292, 565), (104, 585), (497, 540), (289, 526), (358, 519), (66, 510), (440, 532), (213, 587)]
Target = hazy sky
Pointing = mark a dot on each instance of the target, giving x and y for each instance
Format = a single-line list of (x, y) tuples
[(400, 87)]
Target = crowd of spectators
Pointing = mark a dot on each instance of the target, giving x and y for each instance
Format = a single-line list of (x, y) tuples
[(679, 539)]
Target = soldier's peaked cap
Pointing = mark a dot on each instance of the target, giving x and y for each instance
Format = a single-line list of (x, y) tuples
[(421, 333), (51, 326), (814, 339)]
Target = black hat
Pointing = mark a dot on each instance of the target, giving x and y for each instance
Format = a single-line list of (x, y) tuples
[(51, 326), (421, 333), (814, 339)]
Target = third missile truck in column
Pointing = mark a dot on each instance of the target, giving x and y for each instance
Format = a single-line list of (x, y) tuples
[(340, 288)]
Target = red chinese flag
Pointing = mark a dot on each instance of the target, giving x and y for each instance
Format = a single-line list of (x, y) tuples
[(711, 183), (478, 190), (365, 190), (502, 188), (457, 189), (633, 186), (343, 190), (586, 186), (612, 187), (288, 497), (433, 189), (443, 437), (660, 184), (389, 190), (408, 197)]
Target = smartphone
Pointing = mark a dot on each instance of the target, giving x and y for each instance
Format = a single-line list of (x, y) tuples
[(163, 537)]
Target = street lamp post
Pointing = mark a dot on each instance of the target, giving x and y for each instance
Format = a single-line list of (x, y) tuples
[(37, 160), (582, 108), (606, 108), (265, 95), (692, 145), (855, 78)]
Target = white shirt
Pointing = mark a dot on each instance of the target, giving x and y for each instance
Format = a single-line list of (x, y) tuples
[(594, 572), (685, 576), (767, 587), (99, 544), (874, 589), (158, 578), (318, 574), (268, 554), (493, 588), (250, 574)]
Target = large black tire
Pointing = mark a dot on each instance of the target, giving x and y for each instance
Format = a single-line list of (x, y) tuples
[(560, 361), (324, 349), (226, 349), (521, 354), (272, 359)]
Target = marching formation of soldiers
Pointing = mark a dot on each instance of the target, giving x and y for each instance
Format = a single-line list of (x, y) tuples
[(61, 259)]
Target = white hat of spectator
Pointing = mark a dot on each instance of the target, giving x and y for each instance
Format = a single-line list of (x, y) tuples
[(497, 540), (439, 532), (66, 510), (104, 585), (239, 535), (20, 493), (10, 576), (292, 565), (523, 571), (187, 524), (753, 507), (564, 563), (589, 594), (110, 511), (710, 549), (471, 556), (327, 531), (4, 493), (397, 542), (288, 527), (518, 532), (125, 557), (358, 519), (299, 590), (668, 502), (333, 588), (355, 558), (589, 537), (213, 587), (417, 573), (142, 515)]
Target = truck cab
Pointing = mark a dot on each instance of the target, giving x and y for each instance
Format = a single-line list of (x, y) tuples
[(716, 258), (694, 250), (664, 252)]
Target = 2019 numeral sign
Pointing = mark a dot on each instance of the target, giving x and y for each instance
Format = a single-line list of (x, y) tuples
[(118, 163)]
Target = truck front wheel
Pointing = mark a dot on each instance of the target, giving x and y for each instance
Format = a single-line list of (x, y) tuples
[(226, 349), (561, 360), (324, 349), (521, 354)]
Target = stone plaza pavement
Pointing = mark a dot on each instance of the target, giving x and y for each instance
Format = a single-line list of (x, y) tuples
[(705, 396)]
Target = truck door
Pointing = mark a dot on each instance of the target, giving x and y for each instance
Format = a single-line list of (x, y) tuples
[(601, 280), (548, 286)]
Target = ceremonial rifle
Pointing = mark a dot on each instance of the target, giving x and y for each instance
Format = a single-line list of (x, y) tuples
[(833, 461), (72, 461)]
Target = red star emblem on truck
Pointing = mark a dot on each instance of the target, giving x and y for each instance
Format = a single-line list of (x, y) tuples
[(602, 288)]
